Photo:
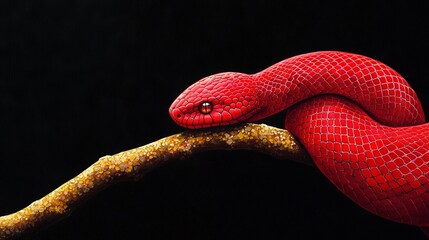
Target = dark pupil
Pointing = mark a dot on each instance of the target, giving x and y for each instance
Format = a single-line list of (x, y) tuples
[(205, 108)]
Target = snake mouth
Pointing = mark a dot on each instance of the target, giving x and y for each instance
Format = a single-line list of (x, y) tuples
[(214, 119)]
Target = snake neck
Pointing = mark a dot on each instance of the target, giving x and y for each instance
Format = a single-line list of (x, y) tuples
[(377, 88)]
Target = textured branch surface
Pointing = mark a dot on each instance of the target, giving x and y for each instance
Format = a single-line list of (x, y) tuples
[(132, 164)]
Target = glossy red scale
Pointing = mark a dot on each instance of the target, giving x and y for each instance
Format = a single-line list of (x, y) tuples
[(381, 174)]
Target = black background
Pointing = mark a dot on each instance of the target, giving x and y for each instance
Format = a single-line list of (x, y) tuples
[(82, 79)]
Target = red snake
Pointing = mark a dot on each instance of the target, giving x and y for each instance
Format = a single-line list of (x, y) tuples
[(361, 123)]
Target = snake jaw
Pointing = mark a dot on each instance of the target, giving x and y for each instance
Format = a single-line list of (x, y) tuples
[(190, 119)]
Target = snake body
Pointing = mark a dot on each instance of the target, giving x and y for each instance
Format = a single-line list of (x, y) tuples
[(359, 120)]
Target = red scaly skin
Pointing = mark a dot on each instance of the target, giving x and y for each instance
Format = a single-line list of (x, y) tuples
[(381, 168)]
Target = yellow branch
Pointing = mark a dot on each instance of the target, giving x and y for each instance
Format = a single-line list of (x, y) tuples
[(134, 163)]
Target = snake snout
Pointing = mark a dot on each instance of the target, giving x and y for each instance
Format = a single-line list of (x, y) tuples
[(177, 116)]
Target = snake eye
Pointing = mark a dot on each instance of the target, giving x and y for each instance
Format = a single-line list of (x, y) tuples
[(205, 107)]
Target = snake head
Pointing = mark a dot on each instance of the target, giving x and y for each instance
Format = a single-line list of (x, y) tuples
[(219, 99)]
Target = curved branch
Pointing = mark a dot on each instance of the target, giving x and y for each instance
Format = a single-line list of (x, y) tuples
[(134, 163)]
